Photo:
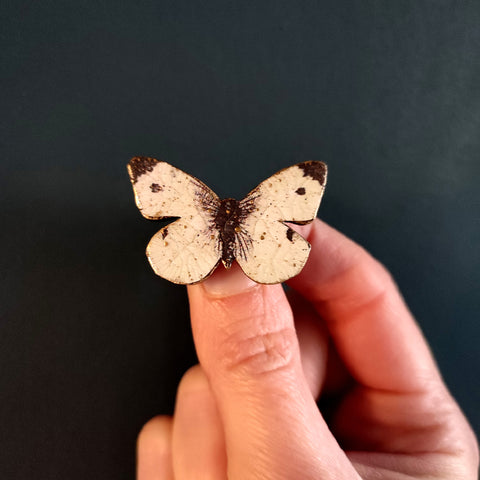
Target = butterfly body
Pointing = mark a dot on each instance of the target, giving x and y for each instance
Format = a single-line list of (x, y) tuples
[(227, 221), (251, 231)]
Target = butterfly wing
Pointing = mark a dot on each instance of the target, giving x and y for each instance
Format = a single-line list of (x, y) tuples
[(187, 250), (268, 250)]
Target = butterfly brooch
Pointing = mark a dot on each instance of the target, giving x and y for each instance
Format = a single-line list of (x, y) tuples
[(209, 230)]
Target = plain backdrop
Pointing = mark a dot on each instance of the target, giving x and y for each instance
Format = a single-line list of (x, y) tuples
[(387, 93)]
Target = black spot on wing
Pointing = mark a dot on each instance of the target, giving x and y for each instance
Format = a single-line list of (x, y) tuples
[(300, 191), (138, 166), (290, 233), (155, 188), (315, 170), (164, 233)]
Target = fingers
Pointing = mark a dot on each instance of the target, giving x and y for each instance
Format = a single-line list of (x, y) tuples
[(324, 371), (191, 446), (373, 331), (313, 340), (257, 406), (246, 343), (154, 452), (401, 403), (198, 441)]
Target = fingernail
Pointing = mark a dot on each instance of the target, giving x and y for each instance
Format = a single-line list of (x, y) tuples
[(224, 283)]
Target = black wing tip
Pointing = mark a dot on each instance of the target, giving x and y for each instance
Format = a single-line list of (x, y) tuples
[(316, 170), (138, 166)]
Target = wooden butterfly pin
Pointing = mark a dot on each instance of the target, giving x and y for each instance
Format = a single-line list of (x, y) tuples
[(250, 231)]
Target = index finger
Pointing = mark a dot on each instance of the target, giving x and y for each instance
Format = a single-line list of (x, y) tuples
[(372, 328)]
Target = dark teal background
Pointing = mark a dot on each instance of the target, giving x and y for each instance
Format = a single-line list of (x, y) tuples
[(387, 93)]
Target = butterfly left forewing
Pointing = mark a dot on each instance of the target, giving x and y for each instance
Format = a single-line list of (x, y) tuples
[(267, 250), (162, 191)]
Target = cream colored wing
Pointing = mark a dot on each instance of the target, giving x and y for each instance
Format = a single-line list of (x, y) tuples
[(187, 250), (292, 194), (275, 252), (267, 250), (162, 190)]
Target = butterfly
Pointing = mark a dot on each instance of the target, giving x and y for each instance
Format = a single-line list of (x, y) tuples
[(209, 230)]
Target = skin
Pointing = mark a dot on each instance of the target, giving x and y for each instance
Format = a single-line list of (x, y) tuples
[(344, 337)]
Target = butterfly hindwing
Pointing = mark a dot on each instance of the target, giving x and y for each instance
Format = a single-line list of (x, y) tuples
[(267, 250), (275, 253), (185, 251), (188, 249)]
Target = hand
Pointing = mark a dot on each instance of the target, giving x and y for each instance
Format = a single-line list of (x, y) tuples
[(345, 338)]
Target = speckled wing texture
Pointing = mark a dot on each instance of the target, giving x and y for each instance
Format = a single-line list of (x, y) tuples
[(268, 250), (187, 250)]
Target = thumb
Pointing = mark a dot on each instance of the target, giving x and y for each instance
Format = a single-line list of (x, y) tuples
[(246, 342)]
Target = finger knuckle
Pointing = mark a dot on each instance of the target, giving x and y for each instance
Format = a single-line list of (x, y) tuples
[(193, 381), (155, 428), (263, 353)]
